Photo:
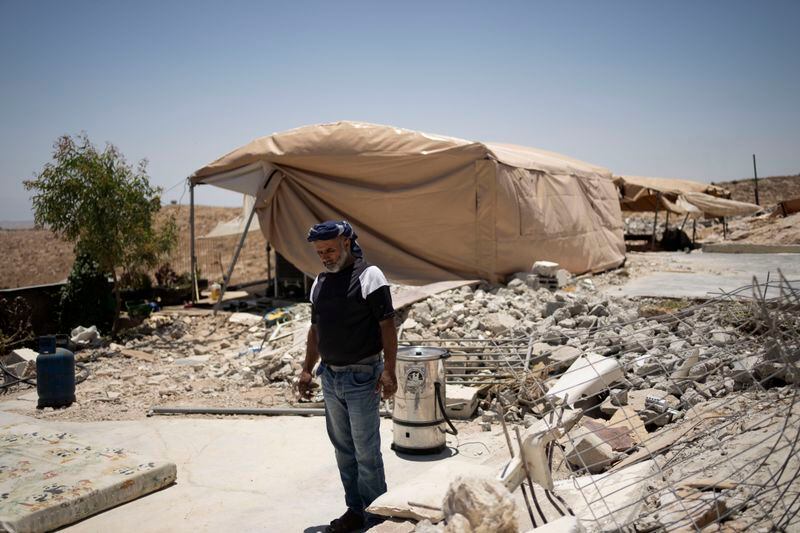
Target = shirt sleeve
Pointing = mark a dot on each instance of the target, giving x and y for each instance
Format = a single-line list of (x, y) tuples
[(380, 303), (375, 290)]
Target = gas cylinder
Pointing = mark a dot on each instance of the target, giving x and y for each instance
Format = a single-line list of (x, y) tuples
[(55, 375)]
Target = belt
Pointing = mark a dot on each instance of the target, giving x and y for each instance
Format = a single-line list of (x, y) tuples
[(363, 365)]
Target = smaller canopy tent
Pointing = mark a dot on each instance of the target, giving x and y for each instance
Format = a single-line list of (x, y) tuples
[(683, 197), (427, 207), (235, 226)]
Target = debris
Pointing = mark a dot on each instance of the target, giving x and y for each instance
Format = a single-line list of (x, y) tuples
[(487, 505), (588, 375), (588, 451), (245, 318), (687, 510), (565, 524), (138, 354), (85, 336)]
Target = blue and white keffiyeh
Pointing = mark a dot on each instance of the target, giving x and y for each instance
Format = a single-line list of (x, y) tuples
[(330, 229)]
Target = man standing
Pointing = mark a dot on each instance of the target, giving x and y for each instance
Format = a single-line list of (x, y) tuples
[(352, 323)]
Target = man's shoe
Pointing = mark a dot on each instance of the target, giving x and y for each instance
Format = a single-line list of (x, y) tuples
[(348, 522)]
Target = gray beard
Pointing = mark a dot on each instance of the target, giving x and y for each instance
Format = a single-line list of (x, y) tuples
[(343, 260)]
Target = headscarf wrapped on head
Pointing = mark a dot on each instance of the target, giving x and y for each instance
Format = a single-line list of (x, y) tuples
[(330, 229)]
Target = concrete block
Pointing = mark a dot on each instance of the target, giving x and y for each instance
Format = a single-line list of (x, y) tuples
[(545, 268), (461, 402), (20, 355)]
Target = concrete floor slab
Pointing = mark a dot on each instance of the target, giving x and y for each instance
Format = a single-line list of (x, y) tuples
[(266, 474), (699, 275)]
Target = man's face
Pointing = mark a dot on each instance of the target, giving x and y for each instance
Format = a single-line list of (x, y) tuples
[(333, 253)]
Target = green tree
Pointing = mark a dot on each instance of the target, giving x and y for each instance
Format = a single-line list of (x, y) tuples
[(104, 205)]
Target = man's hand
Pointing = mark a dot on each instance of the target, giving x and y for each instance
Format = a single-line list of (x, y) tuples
[(387, 384), (305, 385)]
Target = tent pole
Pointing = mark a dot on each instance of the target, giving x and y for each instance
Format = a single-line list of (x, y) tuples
[(694, 230), (666, 223), (655, 223), (684, 221), (226, 280), (269, 265), (193, 257), (724, 229)]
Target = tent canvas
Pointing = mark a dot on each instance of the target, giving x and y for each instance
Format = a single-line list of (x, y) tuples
[(683, 197), (427, 207)]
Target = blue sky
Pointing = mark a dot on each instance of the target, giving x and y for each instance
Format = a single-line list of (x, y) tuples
[(683, 89)]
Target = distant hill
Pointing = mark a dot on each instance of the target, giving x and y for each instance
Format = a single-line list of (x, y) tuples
[(16, 224)]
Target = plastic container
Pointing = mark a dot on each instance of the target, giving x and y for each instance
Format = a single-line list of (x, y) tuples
[(216, 292)]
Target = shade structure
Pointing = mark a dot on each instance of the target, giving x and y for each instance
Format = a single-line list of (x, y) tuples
[(427, 207)]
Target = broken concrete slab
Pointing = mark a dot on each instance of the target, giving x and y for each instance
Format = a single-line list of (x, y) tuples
[(53, 479), (588, 451), (421, 498), (628, 419), (604, 502), (618, 438), (20, 355), (587, 376), (690, 510)]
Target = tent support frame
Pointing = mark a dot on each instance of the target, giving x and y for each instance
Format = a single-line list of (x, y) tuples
[(226, 280), (193, 256)]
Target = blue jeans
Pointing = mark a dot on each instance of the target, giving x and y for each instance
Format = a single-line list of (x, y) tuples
[(352, 416)]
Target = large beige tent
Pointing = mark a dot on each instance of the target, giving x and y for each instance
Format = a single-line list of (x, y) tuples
[(426, 207)]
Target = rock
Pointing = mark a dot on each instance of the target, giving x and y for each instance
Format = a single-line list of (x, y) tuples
[(618, 397), (498, 323), (425, 526), (486, 504), (598, 310), (563, 278), (586, 450), (551, 307), (562, 357), (244, 318), (458, 523), (410, 323), (561, 315)]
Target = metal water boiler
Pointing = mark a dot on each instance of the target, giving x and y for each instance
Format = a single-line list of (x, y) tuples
[(419, 404), (55, 374)]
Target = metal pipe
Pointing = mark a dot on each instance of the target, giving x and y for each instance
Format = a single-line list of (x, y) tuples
[(755, 177), (192, 258), (655, 223), (263, 411)]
